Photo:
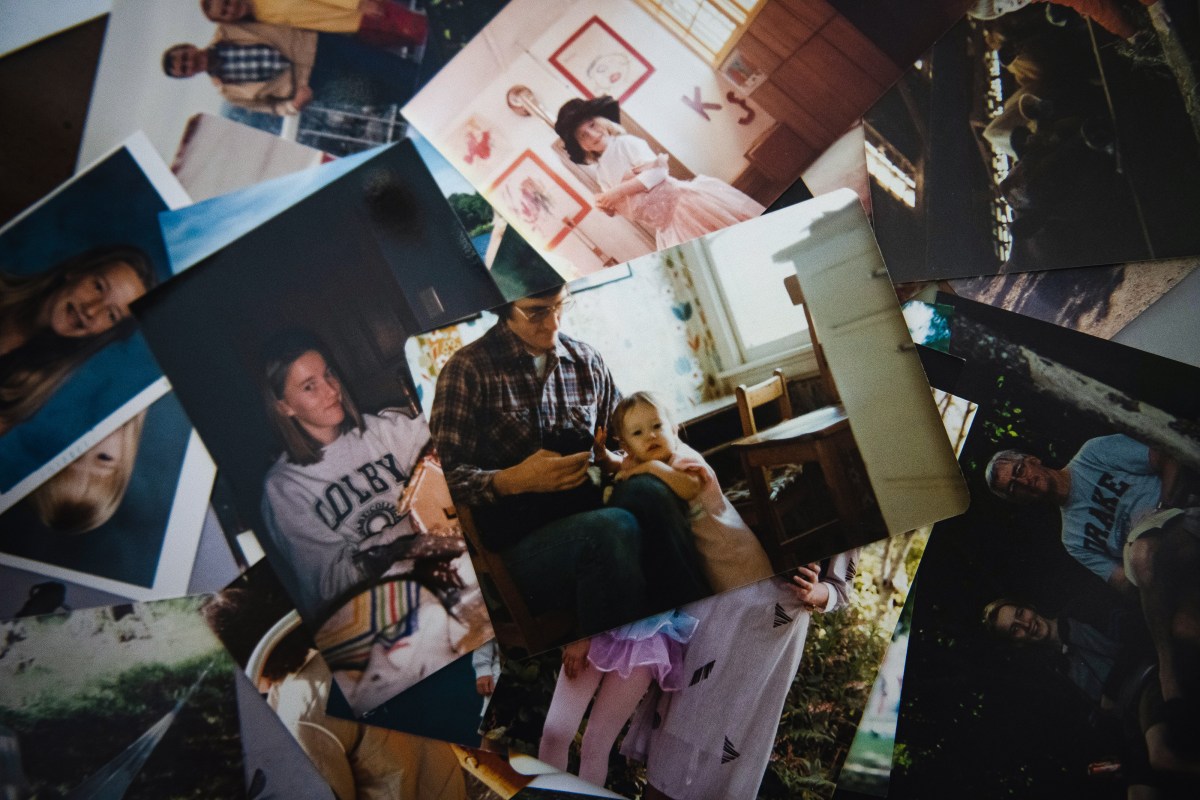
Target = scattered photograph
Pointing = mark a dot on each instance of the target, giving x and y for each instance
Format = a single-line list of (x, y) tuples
[(301, 393), (1054, 621), (133, 701), (1099, 301), (1042, 136), (756, 692), (73, 366), (633, 478), (331, 76), (659, 122), (125, 517)]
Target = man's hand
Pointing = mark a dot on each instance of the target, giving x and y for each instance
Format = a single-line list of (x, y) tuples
[(485, 685), (371, 8), (574, 658), (544, 471), (301, 97), (806, 585)]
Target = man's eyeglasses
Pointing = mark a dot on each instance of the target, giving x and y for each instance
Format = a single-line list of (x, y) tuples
[(536, 316), (1018, 470)]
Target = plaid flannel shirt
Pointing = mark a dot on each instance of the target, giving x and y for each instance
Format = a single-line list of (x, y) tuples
[(491, 410), (248, 63)]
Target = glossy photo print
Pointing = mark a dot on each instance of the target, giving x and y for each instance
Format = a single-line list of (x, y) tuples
[(73, 365), (640, 484), (133, 701), (605, 131), (301, 394), (752, 693), (125, 517), (1034, 136), (1053, 619), (333, 78)]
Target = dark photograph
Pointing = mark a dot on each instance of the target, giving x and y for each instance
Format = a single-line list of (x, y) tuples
[(300, 392), (1033, 137), (1055, 622)]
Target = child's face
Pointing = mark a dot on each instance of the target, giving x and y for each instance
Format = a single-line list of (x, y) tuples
[(647, 435), (592, 136)]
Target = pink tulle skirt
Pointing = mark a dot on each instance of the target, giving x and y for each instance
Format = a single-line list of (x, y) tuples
[(679, 211), (657, 642)]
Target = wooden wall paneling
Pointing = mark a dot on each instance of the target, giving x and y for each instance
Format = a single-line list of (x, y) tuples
[(851, 41), (778, 154), (813, 13), (780, 103), (780, 31), (822, 80)]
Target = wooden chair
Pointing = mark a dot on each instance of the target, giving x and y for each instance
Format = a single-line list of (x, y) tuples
[(820, 438), (781, 480), (515, 625)]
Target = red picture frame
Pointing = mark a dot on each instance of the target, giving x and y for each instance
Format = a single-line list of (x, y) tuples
[(611, 60), (534, 197)]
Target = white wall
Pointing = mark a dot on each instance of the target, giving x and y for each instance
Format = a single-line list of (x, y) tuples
[(515, 49)]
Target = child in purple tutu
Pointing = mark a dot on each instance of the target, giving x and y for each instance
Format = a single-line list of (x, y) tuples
[(619, 665), (616, 667)]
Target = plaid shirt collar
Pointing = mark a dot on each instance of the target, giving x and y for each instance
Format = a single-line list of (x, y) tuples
[(508, 345)]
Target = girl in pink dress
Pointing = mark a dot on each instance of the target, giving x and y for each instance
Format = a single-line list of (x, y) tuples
[(635, 180), (730, 551)]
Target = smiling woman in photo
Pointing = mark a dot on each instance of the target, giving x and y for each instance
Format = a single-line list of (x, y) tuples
[(332, 500), (52, 322)]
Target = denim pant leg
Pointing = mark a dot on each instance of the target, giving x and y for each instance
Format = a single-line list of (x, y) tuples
[(672, 565), (348, 73), (589, 562)]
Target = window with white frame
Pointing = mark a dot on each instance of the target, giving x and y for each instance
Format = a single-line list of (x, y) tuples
[(754, 324), (710, 27)]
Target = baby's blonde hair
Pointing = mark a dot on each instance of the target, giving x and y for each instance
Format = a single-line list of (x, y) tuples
[(629, 402), (71, 502)]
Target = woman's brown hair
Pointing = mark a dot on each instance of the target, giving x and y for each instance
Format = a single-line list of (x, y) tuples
[(279, 353), (31, 372)]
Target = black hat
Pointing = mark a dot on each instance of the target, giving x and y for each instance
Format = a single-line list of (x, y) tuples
[(576, 112)]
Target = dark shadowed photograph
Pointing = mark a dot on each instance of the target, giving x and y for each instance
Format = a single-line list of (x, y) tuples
[(1055, 621), (1035, 136), (300, 392)]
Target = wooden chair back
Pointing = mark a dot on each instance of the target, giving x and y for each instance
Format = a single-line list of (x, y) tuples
[(773, 389)]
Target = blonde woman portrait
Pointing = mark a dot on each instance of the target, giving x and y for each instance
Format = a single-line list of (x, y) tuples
[(54, 321)]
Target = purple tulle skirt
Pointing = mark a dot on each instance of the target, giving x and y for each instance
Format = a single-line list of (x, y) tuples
[(657, 642)]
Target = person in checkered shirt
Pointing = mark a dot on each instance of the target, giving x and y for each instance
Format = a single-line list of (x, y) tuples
[(279, 70), (518, 417)]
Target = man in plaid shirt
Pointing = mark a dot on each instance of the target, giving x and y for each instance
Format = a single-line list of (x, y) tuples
[(517, 419), (278, 70)]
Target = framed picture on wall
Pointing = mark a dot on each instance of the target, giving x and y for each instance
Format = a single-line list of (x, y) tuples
[(597, 61), (531, 193)]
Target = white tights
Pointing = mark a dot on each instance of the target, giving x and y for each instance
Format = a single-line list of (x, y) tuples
[(615, 703)]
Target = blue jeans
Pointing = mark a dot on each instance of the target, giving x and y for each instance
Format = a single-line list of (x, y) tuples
[(350, 74), (612, 565)]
